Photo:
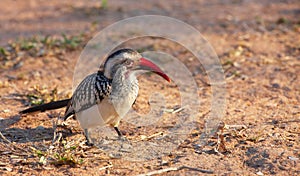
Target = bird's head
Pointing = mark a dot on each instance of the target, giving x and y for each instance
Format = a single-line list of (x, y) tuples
[(132, 62)]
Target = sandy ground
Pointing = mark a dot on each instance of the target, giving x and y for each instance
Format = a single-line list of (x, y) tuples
[(257, 42)]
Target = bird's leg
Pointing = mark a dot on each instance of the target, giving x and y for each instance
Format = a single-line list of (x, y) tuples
[(86, 134), (118, 131), (121, 137)]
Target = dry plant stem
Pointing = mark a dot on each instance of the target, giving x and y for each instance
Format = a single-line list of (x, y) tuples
[(12, 146), (4, 138), (235, 126), (105, 167), (55, 136), (176, 169), (179, 109), (151, 136)]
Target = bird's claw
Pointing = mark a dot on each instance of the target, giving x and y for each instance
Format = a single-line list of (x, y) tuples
[(123, 139), (89, 143)]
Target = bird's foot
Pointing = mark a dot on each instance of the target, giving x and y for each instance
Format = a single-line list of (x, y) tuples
[(87, 139), (123, 138), (125, 145), (88, 143)]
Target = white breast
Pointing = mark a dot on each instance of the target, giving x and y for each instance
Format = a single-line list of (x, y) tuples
[(98, 115)]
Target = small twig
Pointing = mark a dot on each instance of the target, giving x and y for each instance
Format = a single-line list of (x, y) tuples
[(56, 137), (196, 169), (4, 138), (235, 126), (175, 110), (54, 126), (105, 167), (12, 145), (176, 169), (143, 137), (160, 171), (178, 110), (6, 168)]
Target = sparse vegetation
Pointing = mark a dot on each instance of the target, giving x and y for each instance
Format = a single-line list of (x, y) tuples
[(259, 53)]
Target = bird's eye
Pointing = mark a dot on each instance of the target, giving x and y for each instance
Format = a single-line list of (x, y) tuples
[(127, 62)]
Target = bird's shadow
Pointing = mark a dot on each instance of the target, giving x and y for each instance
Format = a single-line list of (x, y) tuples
[(25, 135)]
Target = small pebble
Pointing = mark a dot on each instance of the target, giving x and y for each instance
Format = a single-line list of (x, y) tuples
[(115, 156), (6, 110), (293, 158), (259, 173), (275, 85)]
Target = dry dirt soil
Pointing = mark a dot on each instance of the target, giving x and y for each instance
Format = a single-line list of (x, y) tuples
[(258, 43)]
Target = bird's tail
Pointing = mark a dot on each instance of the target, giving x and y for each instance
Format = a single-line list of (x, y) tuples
[(47, 106)]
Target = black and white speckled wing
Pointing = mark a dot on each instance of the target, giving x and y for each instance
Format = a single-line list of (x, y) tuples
[(92, 90)]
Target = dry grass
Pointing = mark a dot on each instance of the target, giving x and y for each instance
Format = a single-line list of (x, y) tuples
[(259, 135)]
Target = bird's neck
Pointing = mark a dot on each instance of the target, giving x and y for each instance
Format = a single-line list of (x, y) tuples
[(124, 91), (123, 78), (124, 84)]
